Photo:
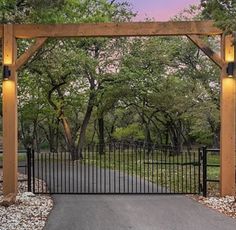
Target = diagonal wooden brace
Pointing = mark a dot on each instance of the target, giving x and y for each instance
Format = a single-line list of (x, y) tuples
[(29, 52), (207, 50)]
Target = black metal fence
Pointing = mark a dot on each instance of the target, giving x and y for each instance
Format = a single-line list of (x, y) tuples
[(120, 168), (23, 168), (210, 169)]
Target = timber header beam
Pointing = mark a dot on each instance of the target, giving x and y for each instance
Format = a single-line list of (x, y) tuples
[(126, 29)]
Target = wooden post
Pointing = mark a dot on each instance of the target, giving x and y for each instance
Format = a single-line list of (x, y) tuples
[(228, 122), (9, 103)]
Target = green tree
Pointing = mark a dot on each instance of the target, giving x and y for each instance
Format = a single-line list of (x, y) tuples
[(63, 64), (223, 12)]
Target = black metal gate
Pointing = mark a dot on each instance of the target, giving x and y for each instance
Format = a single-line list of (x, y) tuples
[(117, 168)]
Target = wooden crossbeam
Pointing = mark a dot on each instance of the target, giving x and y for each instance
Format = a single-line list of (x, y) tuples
[(117, 29), (29, 52), (207, 50)]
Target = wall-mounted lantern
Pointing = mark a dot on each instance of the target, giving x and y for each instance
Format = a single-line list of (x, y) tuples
[(230, 69), (6, 72)]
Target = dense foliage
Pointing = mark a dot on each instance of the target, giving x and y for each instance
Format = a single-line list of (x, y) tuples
[(223, 12), (77, 91)]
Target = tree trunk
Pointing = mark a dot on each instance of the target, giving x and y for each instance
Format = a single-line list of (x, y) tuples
[(148, 138), (70, 143), (177, 142), (85, 124), (36, 142), (51, 137), (101, 135), (61, 116)]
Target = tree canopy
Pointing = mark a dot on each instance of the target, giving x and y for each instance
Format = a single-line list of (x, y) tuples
[(72, 92), (223, 12)]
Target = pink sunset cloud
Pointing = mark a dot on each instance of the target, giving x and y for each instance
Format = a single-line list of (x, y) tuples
[(161, 10)]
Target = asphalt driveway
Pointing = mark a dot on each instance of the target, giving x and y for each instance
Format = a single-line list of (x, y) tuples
[(138, 212)]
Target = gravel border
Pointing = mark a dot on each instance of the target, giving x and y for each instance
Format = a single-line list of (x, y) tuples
[(225, 205), (29, 212)]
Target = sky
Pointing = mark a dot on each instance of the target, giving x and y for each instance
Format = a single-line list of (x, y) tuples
[(160, 10)]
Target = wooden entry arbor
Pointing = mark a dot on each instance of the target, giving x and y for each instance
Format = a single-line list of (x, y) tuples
[(192, 29)]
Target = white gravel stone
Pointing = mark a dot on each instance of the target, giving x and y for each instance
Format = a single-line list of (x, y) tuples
[(226, 205), (28, 194), (29, 212)]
